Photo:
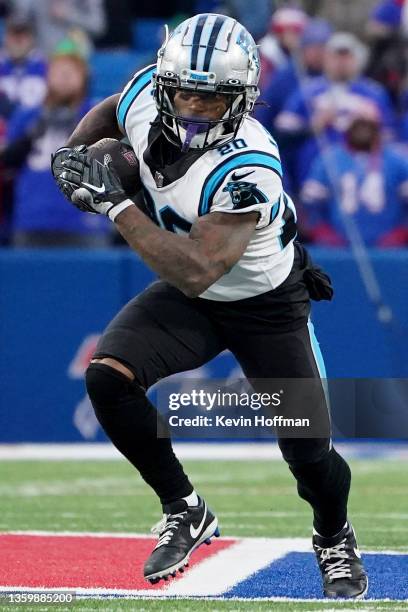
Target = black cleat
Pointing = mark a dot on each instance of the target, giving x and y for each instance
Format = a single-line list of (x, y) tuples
[(340, 564), (182, 529)]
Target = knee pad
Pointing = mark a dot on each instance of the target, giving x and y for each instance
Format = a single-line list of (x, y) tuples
[(107, 386)]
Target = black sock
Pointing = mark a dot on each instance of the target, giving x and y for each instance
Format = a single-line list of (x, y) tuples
[(130, 420), (325, 485)]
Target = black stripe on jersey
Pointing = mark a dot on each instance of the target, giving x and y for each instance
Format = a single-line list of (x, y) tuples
[(202, 203), (135, 80), (196, 41), (212, 41), (289, 230), (150, 207)]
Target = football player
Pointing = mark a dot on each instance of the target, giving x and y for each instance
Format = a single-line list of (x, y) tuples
[(220, 235)]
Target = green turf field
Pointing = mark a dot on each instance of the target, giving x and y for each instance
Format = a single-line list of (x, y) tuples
[(250, 498)]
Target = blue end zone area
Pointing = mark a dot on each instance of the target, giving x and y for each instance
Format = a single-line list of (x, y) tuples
[(296, 576)]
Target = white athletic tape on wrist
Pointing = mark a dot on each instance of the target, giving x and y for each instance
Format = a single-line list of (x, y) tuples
[(114, 212)]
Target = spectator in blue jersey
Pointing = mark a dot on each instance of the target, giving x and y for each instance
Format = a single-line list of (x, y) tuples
[(23, 68), (41, 216), (386, 31), (320, 111), (6, 110), (285, 81), (403, 121), (281, 41), (361, 178), (386, 17)]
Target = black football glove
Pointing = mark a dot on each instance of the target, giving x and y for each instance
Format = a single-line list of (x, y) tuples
[(58, 160), (97, 187)]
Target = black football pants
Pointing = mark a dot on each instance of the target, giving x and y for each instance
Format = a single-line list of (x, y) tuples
[(162, 332)]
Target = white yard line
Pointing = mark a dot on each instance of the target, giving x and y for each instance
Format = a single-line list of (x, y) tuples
[(111, 594), (103, 452), (58, 452), (221, 572), (281, 545), (86, 534), (397, 516), (207, 580), (191, 450), (213, 576)]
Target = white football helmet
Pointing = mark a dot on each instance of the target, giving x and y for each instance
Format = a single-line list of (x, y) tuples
[(213, 54)]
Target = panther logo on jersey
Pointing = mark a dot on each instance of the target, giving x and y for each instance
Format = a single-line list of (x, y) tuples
[(244, 194)]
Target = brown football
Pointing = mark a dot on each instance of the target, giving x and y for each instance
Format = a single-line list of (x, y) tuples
[(123, 159)]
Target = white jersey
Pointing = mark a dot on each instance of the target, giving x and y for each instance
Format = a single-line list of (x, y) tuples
[(242, 176)]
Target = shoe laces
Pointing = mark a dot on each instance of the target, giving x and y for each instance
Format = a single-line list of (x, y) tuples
[(166, 527), (335, 569)]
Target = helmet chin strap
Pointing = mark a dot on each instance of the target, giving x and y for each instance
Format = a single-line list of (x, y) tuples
[(192, 130)]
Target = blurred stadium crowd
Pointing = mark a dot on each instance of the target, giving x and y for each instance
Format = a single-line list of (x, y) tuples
[(336, 101)]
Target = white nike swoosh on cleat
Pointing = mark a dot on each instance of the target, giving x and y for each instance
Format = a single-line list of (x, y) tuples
[(357, 553), (101, 189), (195, 531)]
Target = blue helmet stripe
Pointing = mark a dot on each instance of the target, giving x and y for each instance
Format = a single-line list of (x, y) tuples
[(217, 176), (196, 41), (212, 41), (140, 81)]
